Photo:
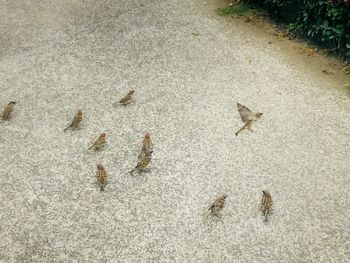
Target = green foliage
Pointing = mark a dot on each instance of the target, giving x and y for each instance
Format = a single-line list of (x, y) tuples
[(323, 21), (240, 10)]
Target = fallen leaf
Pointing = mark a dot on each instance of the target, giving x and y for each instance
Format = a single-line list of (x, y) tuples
[(326, 71), (346, 69)]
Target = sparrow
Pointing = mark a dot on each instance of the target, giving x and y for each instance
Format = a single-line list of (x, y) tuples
[(217, 205), (143, 160), (100, 142), (147, 142), (247, 117), (76, 120), (7, 110), (266, 203), (126, 100), (101, 176)]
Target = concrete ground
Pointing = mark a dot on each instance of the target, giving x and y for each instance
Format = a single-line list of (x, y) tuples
[(59, 56)]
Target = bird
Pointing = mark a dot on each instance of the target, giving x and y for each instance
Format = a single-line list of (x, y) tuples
[(266, 204), (147, 142), (143, 161), (126, 100), (76, 120), (247, 117), (100, 142), (8, 110), (217, 205), (101, 176)]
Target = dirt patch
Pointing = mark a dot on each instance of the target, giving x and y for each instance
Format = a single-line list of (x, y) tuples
[(310, 58)]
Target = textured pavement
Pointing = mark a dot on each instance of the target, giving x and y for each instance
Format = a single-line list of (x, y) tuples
[(59, 56)]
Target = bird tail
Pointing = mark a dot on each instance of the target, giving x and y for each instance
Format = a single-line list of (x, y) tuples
[(207, 211), (265, 214), (132, 172), (90, 147), (102, 188), (241, 129), (65, 129)]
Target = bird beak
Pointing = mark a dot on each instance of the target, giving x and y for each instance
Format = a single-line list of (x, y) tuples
[(259, 114)]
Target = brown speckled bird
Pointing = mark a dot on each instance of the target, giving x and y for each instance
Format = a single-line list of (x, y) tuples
[(217, 205), (143, 161), (147, 142), (8, 109), (101, 177), (247, 117), (126, 100), (266, 203), (76, 120), (99, 143)]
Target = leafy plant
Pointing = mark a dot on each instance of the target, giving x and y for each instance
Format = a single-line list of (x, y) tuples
[(239, 9), (326, 22)]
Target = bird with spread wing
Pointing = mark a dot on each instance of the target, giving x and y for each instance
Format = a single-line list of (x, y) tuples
[(248, 117)]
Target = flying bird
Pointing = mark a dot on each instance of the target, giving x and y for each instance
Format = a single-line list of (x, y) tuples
[(248, 117), (101, 177), (8, 110), (266, 203), (126, 100), (76, 120), (99, 143)]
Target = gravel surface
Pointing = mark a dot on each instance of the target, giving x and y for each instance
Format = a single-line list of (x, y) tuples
[(59, 56)]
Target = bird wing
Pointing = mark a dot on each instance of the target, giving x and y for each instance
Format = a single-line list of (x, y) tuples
[(244, 112), (211, 207), (74, 122), (126, 98)]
